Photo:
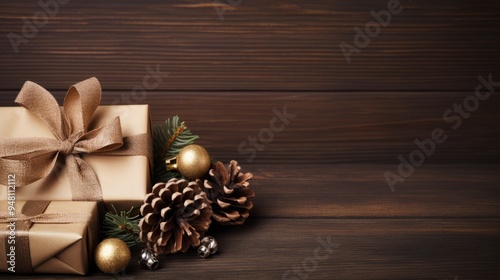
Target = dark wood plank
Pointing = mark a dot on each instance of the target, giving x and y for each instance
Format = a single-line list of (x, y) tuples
[(336, 127), (283, 45), (323, 174), (367, 249), (361, 191)]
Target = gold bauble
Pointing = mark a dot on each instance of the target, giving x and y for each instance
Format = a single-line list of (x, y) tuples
[(193, 162), (112, 255)]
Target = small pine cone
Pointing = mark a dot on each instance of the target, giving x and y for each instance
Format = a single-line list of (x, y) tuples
[(229, 193), (176, 215)]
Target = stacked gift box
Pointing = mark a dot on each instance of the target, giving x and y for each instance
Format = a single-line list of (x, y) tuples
[(67, 164)]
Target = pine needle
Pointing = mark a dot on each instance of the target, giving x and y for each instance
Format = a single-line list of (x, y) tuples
[(168, 139), (122, 226), (172, 139)]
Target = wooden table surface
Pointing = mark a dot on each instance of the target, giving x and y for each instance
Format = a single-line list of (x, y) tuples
[(230, 69)]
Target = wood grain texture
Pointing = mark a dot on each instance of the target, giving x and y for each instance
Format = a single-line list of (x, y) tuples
[(340, 127), (363, 249), (323, 173), (443, 223), (260, 45), (361, 191)]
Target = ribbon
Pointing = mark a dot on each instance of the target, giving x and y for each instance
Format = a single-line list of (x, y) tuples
[(33, 158), (46, 218), (32, 212)]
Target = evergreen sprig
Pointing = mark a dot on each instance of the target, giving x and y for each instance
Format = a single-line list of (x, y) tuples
[(168, 139), (122, 226)]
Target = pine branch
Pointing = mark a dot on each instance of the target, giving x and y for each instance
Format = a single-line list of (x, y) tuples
[(122, 226), (172, 139), (169, 139)]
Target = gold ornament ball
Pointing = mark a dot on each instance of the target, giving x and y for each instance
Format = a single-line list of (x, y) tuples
[(112, 255), (193, 161)]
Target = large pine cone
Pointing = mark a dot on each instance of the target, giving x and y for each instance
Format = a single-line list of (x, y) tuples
[(176, 215), (229, 192)]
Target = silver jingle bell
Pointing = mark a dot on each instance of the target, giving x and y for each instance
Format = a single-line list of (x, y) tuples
[(148, 259), (208, 246)]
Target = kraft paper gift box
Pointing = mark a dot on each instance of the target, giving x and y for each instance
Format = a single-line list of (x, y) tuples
[(122, 169), (60, 235)]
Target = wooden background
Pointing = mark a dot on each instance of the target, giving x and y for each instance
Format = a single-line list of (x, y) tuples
[(323, 175)]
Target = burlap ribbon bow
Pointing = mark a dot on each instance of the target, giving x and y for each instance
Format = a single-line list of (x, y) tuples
[(33, 158)]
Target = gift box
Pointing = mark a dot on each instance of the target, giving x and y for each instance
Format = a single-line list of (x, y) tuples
[(48, 237), (80, 151)]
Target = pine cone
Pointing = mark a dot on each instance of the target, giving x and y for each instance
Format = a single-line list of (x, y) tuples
[(229, 193), (176, 215)]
